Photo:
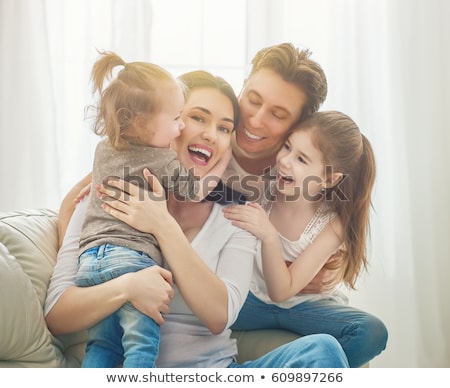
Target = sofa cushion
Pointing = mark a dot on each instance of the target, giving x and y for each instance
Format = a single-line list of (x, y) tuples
[(28, 244), (24, 340), (31, 237), (255, 343)]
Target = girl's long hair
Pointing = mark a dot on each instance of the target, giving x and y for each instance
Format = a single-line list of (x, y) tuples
[(345, 149)]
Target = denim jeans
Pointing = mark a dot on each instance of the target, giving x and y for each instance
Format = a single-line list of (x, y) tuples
[(361, 335), (127, 335), (313, 351)]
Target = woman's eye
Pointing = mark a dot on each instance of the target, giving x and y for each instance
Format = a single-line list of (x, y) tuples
[(301, 160), (224, 129), (286, 146), (197, 118)]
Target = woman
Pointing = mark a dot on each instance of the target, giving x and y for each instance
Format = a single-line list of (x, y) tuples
[(208, 291)]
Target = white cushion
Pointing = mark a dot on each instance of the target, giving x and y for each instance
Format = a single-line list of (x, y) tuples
[(28, 242), (24, 340)]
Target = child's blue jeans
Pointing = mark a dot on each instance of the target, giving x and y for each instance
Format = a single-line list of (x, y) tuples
[(126, 336), (361, 335)]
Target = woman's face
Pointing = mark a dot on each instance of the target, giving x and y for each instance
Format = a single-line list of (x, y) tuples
[(269, 107), (208, 118)]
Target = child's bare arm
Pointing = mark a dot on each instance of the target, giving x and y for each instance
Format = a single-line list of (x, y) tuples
[(327, 278)]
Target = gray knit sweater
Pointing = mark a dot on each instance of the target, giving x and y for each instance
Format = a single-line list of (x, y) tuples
[(99, 227)]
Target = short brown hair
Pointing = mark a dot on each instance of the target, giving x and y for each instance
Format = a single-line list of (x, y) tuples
[(295, 66)]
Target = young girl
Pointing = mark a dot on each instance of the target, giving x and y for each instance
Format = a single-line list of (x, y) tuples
[(139, 114), (317, 207)]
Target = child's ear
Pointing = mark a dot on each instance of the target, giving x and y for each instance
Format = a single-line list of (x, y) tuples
[(333, 180), (140, 121)]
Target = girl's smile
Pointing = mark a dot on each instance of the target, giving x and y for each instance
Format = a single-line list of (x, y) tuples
[(300, 165)]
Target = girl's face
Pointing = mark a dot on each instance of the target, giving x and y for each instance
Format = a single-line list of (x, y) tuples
[(269, 107), (300, 166), (162, 127), (208, 118)]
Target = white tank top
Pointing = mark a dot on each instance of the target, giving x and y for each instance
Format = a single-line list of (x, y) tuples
[(291, 250)]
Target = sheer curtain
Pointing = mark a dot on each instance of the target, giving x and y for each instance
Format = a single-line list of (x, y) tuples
[(395, 56), (387, 64), (47, 49), (28, 143)]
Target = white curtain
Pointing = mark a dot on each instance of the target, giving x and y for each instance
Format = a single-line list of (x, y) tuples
[(387, 64), (47, 49), (28, 151), (391, 67)]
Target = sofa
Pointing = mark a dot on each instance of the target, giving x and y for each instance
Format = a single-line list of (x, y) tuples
[(28, 248)]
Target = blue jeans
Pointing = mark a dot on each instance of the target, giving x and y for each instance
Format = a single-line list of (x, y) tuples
[(313, 351), (361, 335), (127, 335)]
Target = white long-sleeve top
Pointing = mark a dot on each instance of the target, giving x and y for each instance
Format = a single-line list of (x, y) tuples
[(185, 342)]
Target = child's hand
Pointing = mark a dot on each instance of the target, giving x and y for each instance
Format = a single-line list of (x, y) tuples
[(251, 217)]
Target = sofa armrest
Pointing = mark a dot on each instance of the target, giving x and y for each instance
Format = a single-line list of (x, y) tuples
[(28, 243)]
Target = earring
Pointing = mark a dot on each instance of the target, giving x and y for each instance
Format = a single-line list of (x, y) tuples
[(322, 190)]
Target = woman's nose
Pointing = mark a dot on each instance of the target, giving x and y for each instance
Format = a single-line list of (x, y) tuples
[(210, 134)]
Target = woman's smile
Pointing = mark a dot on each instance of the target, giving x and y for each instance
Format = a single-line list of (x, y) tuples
[(200, 154)]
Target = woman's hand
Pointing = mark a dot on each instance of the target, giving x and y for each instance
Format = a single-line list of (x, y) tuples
[(150, 291), (143, 210), (251, 217), (84, 192)]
